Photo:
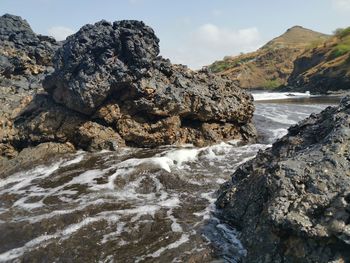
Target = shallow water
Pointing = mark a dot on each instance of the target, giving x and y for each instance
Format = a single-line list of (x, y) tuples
[(133, 205)]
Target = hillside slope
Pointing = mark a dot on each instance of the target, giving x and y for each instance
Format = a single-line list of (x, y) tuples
[(270, 66), (325, 68)]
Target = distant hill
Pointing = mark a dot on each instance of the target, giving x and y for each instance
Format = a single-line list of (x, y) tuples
[(270, 66)]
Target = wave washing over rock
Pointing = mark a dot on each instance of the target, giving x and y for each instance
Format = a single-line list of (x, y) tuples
[(292, 202), (110, 88)]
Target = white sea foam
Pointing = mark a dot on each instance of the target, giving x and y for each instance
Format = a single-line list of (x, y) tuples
[(78, 159), (178, 157), (261, 96), (183, 239)]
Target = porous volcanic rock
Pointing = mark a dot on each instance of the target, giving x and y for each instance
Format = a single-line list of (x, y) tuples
[(112, 74), (291, 203)]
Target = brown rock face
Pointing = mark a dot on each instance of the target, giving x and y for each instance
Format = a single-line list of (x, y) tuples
[(98, 137), (31, 156)]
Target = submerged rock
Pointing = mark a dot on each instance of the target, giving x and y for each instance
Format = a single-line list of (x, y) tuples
[(292, 201)]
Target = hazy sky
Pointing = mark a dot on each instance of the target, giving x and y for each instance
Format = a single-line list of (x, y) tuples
[(192, 32)]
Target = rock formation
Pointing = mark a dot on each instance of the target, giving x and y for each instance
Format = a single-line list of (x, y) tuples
[(110, 88), (291, 203)]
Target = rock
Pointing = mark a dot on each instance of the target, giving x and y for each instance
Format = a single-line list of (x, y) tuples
[(291, 203), (32, 156), (98, 60), (112, 74), (25, 58), (94, 137)]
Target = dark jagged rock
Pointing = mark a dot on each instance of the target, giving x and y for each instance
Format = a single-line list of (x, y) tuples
[(292, 202), (98, 60)]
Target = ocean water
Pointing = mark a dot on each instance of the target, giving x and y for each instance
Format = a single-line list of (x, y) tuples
[(136, 205)]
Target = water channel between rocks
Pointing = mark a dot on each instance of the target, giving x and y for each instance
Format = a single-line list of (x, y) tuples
[(134, 205)]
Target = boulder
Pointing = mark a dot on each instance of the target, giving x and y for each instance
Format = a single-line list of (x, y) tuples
[(25, 59), (291, 203)]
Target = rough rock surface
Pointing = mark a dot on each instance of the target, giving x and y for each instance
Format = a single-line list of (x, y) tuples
[(112, 74), (292, 202)]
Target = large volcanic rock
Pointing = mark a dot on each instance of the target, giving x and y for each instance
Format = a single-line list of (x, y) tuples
[(111, 73), (292, 202)]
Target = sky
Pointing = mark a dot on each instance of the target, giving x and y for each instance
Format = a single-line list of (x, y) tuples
[(191, 32)]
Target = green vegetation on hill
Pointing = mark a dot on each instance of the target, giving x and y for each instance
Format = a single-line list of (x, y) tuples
[(271, 84), (343, 45), (342, 32), (229, 62), (222, 65)]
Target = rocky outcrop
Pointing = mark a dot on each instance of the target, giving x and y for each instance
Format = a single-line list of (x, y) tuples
[(291, 203), (112, 74), (111, 88), (271, 65)]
